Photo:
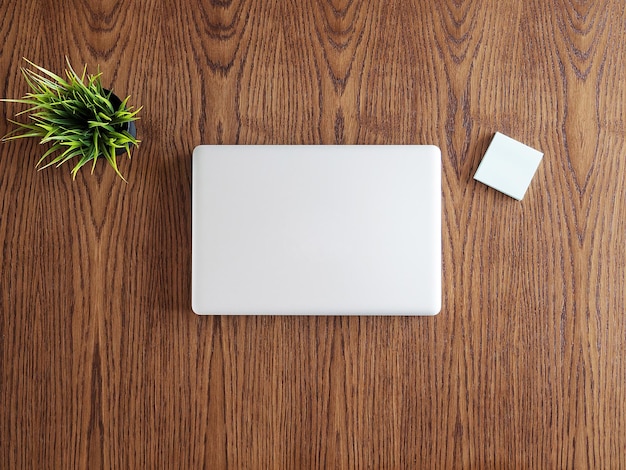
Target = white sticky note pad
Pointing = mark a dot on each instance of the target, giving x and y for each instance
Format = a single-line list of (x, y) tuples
[(508, 166)]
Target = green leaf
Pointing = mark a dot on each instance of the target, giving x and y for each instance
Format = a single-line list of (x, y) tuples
[(63, 157), (55, 77), (50, 151)]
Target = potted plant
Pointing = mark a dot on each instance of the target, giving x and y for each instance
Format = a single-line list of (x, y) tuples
[(77, 116)]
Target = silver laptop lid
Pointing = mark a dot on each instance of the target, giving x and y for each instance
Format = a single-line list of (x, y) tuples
[(316, 230)]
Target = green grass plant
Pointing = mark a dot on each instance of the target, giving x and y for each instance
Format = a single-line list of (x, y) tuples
[(75, 116)]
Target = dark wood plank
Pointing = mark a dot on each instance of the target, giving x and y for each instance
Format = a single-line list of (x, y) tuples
[(103, 364)]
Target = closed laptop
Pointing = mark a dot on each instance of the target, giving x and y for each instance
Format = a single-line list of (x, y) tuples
[(316, 230)]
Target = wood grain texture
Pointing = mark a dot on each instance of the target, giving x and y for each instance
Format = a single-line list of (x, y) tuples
[(103, 364)]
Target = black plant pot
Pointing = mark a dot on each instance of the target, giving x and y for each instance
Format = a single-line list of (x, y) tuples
[(130, 127)]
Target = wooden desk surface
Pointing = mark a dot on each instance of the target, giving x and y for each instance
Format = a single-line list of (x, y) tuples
[(105, 366)]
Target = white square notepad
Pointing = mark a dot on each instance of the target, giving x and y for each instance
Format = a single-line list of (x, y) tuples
[(316, 230), (508, 166)]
